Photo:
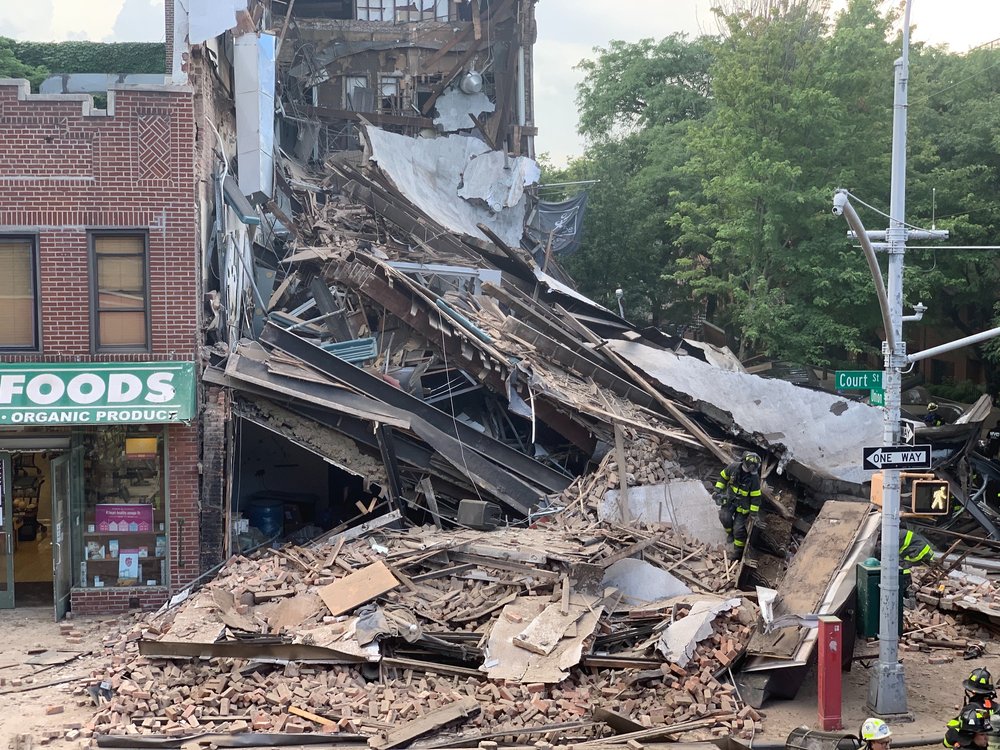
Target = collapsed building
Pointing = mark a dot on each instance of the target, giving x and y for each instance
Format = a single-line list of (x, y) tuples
[(391, 366)]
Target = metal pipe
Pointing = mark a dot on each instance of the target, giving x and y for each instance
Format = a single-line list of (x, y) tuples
[(842, 205), (952, 345)]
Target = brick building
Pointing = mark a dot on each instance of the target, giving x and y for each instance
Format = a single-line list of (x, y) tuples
[(99, 332)]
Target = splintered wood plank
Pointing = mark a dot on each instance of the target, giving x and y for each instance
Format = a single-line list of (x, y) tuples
[(544, 632), (427, 723), (321, 720), (359, 587)]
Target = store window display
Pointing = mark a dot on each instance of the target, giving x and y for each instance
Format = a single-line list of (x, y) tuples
[(123, 534)]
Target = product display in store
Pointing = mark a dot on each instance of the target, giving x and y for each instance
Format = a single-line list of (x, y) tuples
[(124, 539)]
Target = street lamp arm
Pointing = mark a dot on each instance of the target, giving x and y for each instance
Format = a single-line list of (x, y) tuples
[(842, 207), (951, 346)]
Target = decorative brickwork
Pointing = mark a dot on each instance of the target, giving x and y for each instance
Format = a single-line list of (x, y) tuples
[(154, 147), (64, 173)]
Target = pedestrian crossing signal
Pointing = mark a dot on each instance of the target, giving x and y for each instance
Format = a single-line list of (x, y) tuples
[(931, 497)]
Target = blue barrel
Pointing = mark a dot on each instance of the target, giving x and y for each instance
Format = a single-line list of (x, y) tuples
[(268, 516)]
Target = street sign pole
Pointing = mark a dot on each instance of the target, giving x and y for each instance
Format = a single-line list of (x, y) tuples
[(887, 689)]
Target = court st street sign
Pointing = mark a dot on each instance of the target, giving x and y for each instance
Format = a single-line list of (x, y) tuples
[(858, 380), (897, 457), (96, 393)]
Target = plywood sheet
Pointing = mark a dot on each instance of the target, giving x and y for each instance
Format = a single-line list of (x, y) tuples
[(505, 661), (359, 587)]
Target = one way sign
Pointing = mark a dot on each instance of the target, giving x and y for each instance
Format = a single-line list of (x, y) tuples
[(897, 457)]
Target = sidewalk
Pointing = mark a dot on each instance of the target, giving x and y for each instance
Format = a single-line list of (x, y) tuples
[(934, 696)]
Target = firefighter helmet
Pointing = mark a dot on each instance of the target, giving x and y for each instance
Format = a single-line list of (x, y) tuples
[(751, 462), (979, 682), (875, 730), (974, 720)]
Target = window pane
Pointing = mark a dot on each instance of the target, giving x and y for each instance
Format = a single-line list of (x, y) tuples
[(124, 473), (121, 299), (17, 294), (123, 328), (120, 273)]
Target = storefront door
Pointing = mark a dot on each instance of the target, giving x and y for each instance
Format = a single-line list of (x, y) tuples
[(67, 476), (6, 535)]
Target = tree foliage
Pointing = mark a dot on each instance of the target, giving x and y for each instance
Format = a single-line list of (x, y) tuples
[(11, 66), (719, 156), (92, 57)]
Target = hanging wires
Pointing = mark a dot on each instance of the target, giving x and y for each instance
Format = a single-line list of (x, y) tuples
[(454, 419), (880, 212)]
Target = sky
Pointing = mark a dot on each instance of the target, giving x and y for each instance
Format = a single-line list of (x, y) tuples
[(568, 31)]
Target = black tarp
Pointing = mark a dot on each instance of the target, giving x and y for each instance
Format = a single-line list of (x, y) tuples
[(563, 221)]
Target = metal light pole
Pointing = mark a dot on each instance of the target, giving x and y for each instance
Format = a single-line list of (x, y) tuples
[(887, 689)]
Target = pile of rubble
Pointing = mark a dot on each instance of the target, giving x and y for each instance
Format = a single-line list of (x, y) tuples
[(954, 612), (522, 633)]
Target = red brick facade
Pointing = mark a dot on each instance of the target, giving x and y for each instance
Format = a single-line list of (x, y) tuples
[(65, 172)]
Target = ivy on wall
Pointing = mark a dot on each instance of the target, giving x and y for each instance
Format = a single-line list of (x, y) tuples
[(90, 57)]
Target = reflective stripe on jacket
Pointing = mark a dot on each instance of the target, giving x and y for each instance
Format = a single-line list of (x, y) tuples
[(744, 486), (914, 548)]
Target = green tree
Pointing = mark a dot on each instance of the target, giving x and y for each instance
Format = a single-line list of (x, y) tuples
[(12, 67), (789, 125), (636, 102), (955, 177)]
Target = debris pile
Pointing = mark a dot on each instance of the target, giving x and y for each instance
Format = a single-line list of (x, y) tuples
[(956, 611), (517, 633)]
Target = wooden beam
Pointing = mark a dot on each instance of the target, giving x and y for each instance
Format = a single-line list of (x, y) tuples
[(376, 118), (484, 130), (427, 723), (672, 409), (623, 510), (450, 75)]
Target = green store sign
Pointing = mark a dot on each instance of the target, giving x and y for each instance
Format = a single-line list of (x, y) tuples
[(96, 393)]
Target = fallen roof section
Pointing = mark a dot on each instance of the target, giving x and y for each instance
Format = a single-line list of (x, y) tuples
[(819, 435), (430, 173)]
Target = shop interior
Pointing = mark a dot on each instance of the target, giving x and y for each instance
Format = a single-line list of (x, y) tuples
[(284, 492), (31, 486), (117, 533), (122, 534)]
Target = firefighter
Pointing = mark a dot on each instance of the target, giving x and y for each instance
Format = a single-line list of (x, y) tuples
[(875, 735), (979, 691), (737, 493), (970, 729), (932, 418), (914, 549)]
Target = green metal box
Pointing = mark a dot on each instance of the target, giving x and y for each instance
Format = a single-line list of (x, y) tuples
[(869, 573)]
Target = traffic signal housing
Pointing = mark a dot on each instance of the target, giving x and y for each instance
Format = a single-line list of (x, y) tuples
[(920, 494), (930, 497)]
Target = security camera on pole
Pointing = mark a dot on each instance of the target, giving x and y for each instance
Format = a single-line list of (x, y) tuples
[(887, 689)]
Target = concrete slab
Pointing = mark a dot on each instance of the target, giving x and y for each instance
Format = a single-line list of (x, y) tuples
[(819, 435), (428, 172), (496, 181), (641, 582), (684, 504), (454, 107)]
